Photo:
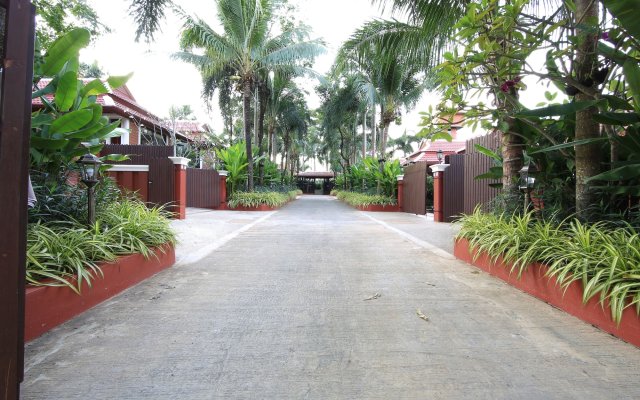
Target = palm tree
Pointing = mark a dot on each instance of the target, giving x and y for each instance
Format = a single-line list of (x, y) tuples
[(395, 80), (245, 48)]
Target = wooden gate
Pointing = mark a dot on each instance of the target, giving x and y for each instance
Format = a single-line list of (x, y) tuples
[(477, 192), (161, 180), (203, 188), (415, 190), (161, 169), (17, 21), (454, 188)]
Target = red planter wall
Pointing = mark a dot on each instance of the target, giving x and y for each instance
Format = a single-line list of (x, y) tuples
[(534, 282), (47, 307)]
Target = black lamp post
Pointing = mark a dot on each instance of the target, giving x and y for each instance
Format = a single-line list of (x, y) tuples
[(440, 155), (527, 180), (90, 167)]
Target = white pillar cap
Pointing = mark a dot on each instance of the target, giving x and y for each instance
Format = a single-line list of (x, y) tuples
[(179, 160), (439, 167)]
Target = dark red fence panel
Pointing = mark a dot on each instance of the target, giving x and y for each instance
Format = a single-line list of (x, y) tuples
[(203, 188), (478, 192), (415, 191), (454, 188), (161, 170), (161, 181)]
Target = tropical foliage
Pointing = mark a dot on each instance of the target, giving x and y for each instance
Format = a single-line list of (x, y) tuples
[(246, 51), (363, 199), (67, 253), (255, 199), (592, 254), (70, 122)]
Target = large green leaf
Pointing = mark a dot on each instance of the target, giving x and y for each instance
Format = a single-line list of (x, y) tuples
[(555, 110), (65, 49), (94, 88), (47, 144), (627, 13), (610, 118), (617, 103), (488, 152), (72, 121), (117, 81), (632, 77), (570, 144), (618, 174), (66, 91)]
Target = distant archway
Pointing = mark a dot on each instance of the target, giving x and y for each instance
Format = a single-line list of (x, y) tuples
[(316, 182)]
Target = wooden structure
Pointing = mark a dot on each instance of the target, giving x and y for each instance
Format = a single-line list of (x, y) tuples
[(453, 187), (462, 193), (159, 187), (415, 189), (17, 20), (203, 188), (306, 182)]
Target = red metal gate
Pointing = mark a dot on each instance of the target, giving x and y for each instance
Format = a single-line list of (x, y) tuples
[(415, 189)]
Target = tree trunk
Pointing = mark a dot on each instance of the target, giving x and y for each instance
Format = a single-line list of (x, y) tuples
[(364, 134), (512, 162), (374, 138), (385, 134), (587, 156), (246, 108), (262, 109)]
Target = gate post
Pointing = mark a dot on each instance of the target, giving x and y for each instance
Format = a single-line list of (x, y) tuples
[(180, 186), (400, 192), (438, 191), (223, 189)]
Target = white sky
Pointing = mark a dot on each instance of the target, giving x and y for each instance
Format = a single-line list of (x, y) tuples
[(159, 82)]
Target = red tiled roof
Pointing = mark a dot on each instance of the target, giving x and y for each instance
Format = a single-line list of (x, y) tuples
[(428, 150)]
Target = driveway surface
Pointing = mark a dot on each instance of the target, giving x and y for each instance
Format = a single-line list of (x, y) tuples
[(319, 301)]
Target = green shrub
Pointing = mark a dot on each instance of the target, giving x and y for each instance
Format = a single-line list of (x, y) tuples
[(363, 199), (255, 199), (58, 252), (606, 261)]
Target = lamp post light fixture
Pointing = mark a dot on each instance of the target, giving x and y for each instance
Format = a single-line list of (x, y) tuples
[(90, 167), (440, 155), (527, 181)]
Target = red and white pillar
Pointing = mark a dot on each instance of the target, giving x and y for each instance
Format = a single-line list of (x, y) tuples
[(438, 191), (180, 186)]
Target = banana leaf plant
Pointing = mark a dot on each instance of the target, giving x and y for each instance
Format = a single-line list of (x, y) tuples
[(70, 123)]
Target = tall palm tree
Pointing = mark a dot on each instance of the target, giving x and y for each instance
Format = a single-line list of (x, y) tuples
[(246, 48), (396, 81)]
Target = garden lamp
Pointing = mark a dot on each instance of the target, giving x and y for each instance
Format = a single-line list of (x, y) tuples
[(527, 180), (440, 155), (90, 168)]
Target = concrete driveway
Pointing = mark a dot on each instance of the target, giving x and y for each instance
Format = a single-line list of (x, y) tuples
[(319, 301)]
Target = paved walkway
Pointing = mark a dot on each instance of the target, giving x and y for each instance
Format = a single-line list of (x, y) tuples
[(319, 301)]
